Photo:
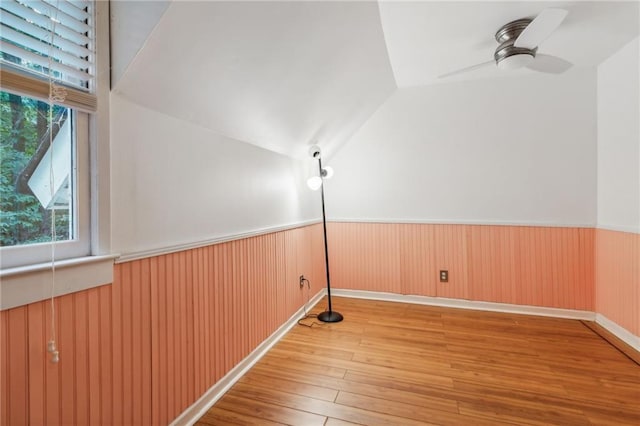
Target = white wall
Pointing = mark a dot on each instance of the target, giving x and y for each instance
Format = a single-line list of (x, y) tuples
[(131, 24), (510, 150), (619, 140), (175, 183)]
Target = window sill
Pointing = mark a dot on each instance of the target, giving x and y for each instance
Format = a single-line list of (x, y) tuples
[(28, 284)]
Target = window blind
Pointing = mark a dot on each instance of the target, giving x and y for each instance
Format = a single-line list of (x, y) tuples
[(40, 39)]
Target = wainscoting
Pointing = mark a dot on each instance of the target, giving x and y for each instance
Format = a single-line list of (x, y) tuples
[(145, 348), (142, 350), (618, 278), (523, 265)]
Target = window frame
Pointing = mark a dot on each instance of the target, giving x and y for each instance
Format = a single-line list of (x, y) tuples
[(31, 283)]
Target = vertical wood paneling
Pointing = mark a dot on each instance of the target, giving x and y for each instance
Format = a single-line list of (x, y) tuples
[(162, 372), (618, 277), (218, 324), (187, 313), (67, 364), (117, 346), (4, 367), (198, 337), (492, 258), (81, 385), (105, 348), (181, 344), (205, 317), (94, 355), (143, 349), (364, 255), (78, 389), (254, 295), (52, 379), (18, 366), (155, 345), (37, 342), (168, 308), (508, 264), (587, 255), (127, 343), (451, 255), (318, 278), (225, 300), (418, 271), (145, 340)]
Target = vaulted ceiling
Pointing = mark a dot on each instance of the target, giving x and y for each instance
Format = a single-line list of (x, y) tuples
[(280, 75), (285, 75)]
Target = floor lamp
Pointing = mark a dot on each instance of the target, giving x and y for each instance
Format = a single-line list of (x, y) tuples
[(315, 183)]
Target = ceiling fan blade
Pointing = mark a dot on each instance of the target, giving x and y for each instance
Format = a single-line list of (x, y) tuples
[(540, 28), (549, 64), (468, 69)]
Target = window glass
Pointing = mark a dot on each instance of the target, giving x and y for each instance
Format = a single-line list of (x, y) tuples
[(37, 177)]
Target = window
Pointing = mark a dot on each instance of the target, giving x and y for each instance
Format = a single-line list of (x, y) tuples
[(54, 47), (43, 175), (47, 94)]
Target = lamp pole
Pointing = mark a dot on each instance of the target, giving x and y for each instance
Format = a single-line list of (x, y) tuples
[(329, 315)]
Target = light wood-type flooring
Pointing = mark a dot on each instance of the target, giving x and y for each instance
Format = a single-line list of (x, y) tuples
[(403, 364)]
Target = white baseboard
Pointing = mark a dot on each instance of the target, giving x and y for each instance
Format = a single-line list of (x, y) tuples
[(620, 332), (215, 392), (468, 304)]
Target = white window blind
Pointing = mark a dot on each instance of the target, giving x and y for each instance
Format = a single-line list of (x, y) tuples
[(48, 38)]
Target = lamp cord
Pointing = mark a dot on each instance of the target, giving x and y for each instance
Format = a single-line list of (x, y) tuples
[(304, 308)]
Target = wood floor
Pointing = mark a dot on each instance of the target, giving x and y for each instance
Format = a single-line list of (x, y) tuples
[(401, 364)]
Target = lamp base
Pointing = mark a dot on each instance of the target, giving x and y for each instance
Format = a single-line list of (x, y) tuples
[(330, 316)]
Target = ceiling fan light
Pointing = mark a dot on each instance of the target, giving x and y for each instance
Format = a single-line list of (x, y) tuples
[(515, 62)]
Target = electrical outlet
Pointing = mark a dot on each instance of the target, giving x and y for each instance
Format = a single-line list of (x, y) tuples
[(444, 276)]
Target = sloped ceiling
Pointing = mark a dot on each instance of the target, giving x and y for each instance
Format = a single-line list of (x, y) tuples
[(429, 39), (280, 75), (285, 75), (131, 24)]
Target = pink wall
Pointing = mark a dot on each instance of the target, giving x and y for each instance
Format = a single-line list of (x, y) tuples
[(526, 265), (618, 278), (143, 349)]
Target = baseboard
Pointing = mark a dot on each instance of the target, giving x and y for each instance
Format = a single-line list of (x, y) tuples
[(468, 304), (215, 392), (620, 332)]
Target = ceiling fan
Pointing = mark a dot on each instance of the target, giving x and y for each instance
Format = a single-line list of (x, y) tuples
[(518, 45)]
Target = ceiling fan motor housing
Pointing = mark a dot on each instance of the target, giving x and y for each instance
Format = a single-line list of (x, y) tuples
[(518, 43), (507, 36)]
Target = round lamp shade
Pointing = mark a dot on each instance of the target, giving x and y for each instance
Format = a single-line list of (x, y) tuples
[(314, 182), (328, 172)]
